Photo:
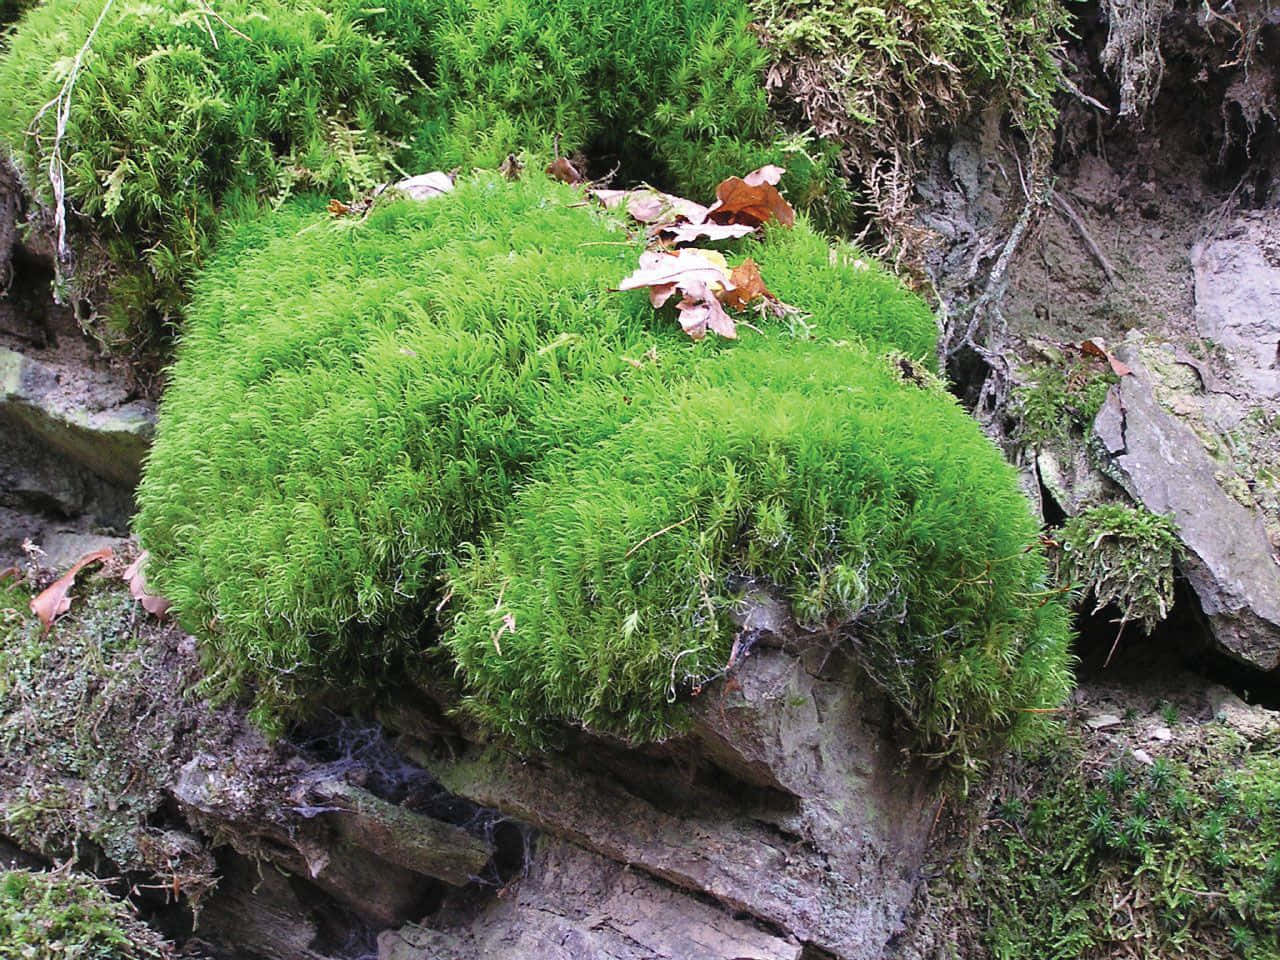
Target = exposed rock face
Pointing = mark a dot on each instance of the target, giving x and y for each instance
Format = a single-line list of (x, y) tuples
[(827, 846), (1164, 466), (102, 432), (575, 905), (787, 823), (367, 853), (1237, 278), (71, 449)]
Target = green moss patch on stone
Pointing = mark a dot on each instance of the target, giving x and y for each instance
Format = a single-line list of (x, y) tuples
[(91, 716), (356, 402), (1058, 401), (1176, 857), (1122, 555)]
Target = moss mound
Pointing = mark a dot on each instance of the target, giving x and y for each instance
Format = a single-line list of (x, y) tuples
[(179, 118), (353, 402), (64, 914), (883, 78)]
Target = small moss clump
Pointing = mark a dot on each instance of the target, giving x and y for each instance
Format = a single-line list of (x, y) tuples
[(356, 401), (68, 915), (912, 58), (1058, 401), (1177, 858), (182, 118), (1122, 555), (882, 78)]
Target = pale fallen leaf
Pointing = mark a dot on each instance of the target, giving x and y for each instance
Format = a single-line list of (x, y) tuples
[(700, 311), (692, 232), (770, 173), (699, 275), (425, 185), (154, 604), (658, 268), (55, 600)]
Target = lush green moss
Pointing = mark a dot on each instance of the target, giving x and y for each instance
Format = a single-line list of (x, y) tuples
[(180, 118), (1057, 400), (64, 914), (1180, 858), (811, 468), (1125, 556), (356, 400)]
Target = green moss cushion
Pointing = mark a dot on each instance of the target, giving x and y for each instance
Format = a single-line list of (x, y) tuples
[(179, 119), (453, 398)]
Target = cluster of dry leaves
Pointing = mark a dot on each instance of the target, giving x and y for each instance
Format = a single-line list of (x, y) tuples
[(55, 600), (670, 264), (703, 278)]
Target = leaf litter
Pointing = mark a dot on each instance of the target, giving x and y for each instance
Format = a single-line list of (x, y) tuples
[(706, 284)]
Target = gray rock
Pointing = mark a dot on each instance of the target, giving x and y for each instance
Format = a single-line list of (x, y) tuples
[(109, 441), (1237, 285), (1162, 465), (575, 905), (370, 855), (1102, 721), (1253, 722), (822, 836), (1072, 481)]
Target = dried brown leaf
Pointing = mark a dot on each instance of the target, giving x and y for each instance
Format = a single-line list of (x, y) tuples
[(562, 169), (154, 604), (752, 200), (511, 167), (747, 286), (1097, 348), (55, 600)]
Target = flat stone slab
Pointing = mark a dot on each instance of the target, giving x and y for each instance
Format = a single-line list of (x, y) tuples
[(1162, 465), (576, 905), (110, 441)]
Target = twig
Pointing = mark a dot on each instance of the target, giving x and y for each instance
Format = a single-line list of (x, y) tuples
[(1069, 213), (655, 536), (62, 103), (217, 16), (1083, 97), (1115, 643)]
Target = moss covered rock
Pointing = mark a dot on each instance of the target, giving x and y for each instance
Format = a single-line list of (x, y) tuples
[(450, 399)]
